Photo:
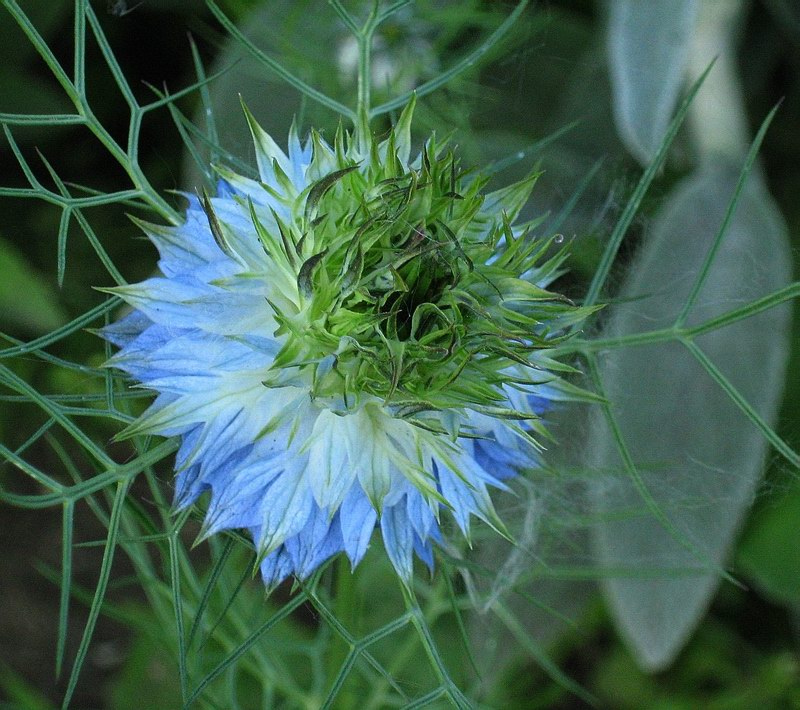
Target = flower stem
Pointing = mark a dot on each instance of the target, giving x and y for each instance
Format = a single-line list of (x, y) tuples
[(363, 106), (344, 608)]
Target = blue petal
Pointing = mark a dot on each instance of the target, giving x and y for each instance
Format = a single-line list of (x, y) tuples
[(424, 551), (187, 248), (464, 497), (539, 404), (188, 303), (162, 401), (238, 495), (151, 338), (189, 443), (286, 508), (419, 512), (276, 566), (221, 438), (320, 539), (226, 190), (188, 361), (501, 462), (300, 158), (126, 329), (240, 231), (189, 486), (357, 519), (398, 538)]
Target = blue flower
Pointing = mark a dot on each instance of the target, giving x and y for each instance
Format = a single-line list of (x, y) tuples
[(357, 339)]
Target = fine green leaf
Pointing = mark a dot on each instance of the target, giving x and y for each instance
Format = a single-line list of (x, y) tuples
[(632, 206), (100, 590), (276, 66), (66, 577)]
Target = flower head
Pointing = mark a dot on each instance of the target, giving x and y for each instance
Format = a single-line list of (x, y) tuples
[(356, 339)]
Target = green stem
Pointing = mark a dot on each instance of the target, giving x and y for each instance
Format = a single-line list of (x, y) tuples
[(364, 38), (345, 608), (675, 332)]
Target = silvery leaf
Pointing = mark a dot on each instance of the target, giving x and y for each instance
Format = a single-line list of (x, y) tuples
[(698, 456), (648, 48)]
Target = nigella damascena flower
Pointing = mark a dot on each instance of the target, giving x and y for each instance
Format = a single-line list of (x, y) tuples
[(357, 339)]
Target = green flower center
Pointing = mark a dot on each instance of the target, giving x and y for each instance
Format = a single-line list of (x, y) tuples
[(412, 287)]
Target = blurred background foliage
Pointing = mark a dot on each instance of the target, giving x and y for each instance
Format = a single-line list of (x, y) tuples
[(550, 72)]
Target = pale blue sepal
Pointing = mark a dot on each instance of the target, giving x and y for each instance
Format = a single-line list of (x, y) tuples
[(188, 487), (457, 495), (276, 566), (249, 190), (299, 157), (267, 150), (193, 482), (424, 551), (124, 331), (151, 338), (226, 436), (419, 512), (357, 520), (134, 358), (320, 539), (162, 402), (189, 303), (330, 473), (500, 462), (240, 232), (286, 510), (189, 443), (187, 249), (226, 191), (398, 487), (266, 346), (202, 459), (323, 160), (398, 539), (191, 354), (238, 499), (467, 495)]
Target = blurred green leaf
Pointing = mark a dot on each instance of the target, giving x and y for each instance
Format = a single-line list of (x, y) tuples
[(718, 672), (149, 678), (769, 554), (19, 692), (648, 47), (698, 456), (28, 301), (35, 96), (47, 17)]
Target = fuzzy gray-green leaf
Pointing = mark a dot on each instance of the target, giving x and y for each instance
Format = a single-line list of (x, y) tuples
[(648, 49), (699, 457)]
